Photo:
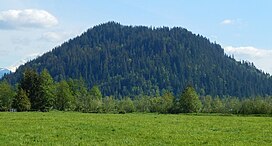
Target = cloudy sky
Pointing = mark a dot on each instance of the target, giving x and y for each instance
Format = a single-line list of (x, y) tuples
[(31, 27)]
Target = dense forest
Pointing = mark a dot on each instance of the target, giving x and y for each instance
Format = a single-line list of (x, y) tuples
[(39, 92), (137, 60)]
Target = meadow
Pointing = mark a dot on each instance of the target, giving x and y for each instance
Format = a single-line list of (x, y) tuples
[(72, 128)]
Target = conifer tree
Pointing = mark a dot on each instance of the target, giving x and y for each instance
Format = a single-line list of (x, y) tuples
[(189, 101), (95, 93), (30, 83), (21, 101)]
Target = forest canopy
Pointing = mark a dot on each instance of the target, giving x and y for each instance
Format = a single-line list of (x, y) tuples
[(138, 60)]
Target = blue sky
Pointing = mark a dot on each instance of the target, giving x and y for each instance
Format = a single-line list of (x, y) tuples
[(31, 27)]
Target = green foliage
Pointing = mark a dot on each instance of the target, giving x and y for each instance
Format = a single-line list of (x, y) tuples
[(255, 106), (130, 61), (39, 89), (167, 101), (95, 106), (126, 105), (64, 99), (207, 104), (46, 94), (232, 105), (6, 96), (30, 83), (80, 92), (155, 104), (109, 105), (189, 101), (21, 102), (162, 104), (217, 105), (74, 96), (95, 93), (142, 103)]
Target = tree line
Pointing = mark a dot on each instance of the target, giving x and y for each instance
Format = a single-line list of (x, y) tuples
[(39, 92)]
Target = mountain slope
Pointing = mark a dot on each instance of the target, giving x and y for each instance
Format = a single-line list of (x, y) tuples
[(132, 60), (3, 71)]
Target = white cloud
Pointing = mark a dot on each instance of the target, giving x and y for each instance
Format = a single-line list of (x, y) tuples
[(52, 36), (262, 58), (23, 61), (26, 18), (249, 51), (228, 21), (58, 36)]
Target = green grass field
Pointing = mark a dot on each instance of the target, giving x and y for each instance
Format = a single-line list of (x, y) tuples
[(71, 128)]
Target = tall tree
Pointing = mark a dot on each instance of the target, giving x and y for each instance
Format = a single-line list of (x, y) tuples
[(80, 93), (95, 101), (46, 95), (207, 104), (64, 99), (95, 93), (167, 102), (21, 101), (6, 96), (189, 101), (30, 83)]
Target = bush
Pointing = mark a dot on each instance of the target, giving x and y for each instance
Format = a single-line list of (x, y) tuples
[(126, 105)]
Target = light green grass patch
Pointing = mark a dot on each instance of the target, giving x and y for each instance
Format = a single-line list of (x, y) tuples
[(72, 128)]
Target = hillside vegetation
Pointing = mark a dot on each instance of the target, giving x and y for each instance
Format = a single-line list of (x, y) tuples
[(138, 60)]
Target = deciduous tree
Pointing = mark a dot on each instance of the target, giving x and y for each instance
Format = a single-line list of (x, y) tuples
[(6, 96)]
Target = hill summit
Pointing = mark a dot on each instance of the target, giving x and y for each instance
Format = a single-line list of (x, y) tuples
[(132, 60)]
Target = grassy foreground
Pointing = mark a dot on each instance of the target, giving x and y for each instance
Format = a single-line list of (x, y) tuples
[(71, 128)]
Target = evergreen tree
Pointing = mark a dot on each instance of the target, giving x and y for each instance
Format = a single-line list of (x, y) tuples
[(21, 101), (189, 101), (30, 83), (95, 93)]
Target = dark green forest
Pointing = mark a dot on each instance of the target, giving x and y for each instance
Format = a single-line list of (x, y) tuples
[(138, 60)]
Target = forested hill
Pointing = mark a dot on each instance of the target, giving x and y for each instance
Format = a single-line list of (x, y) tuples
[(133, 60)]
